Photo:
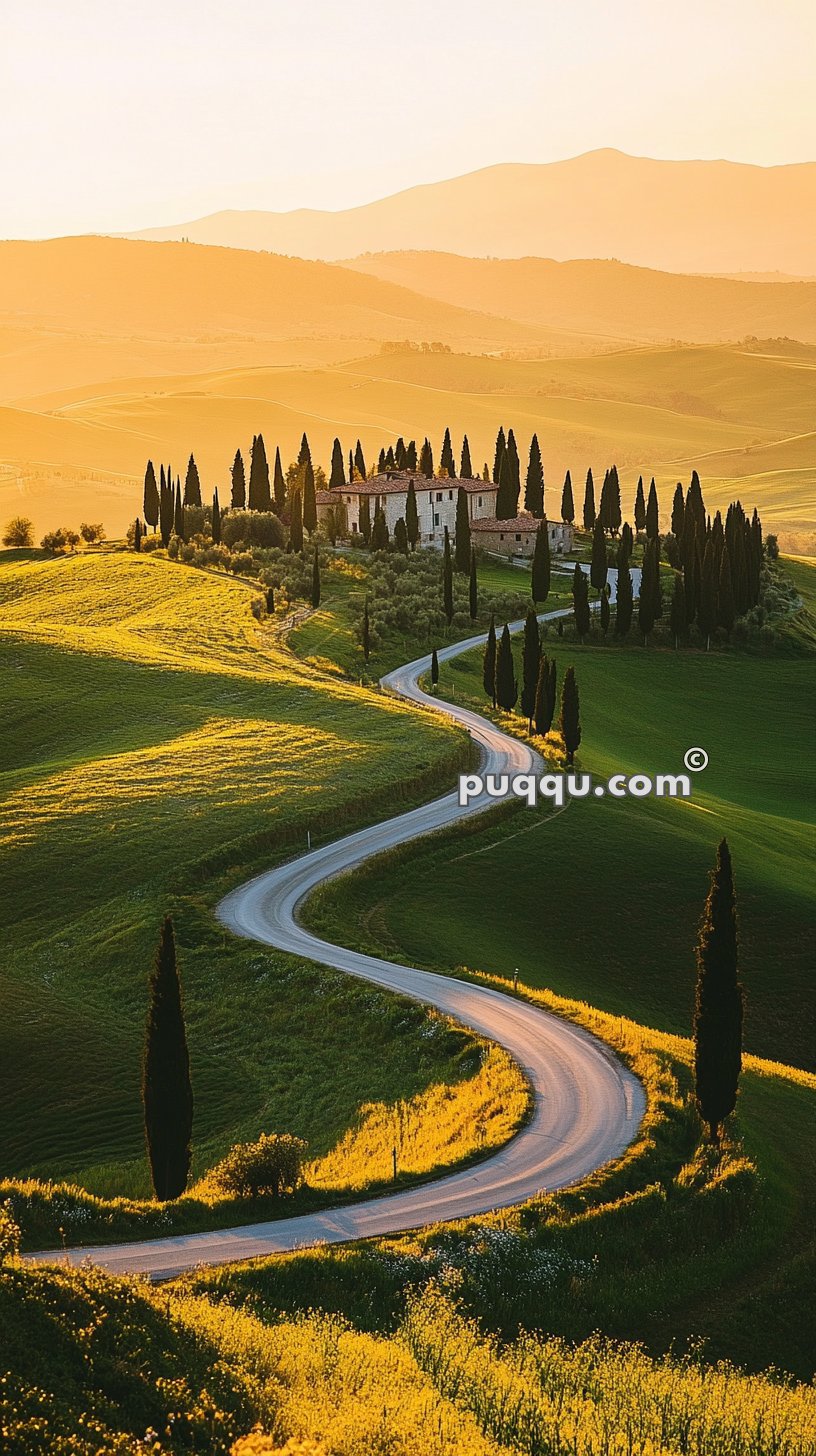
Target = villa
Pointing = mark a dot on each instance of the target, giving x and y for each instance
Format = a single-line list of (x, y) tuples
[(435, 498)]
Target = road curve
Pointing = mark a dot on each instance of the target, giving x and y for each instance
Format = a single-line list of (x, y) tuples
[(587, 1105)]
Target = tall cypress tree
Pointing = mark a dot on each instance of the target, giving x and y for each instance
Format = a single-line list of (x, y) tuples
[(505, 495), (390, 459), (695, 506), (652, 513), (544, 705), (447, 579), (337, 476), (580, 601), (399, 454), (726, 611), (589, 502), (381, 462), (166, 510), (534, 485), (570, 715), (309, 502), (316, 580), (401, 535), (426, 466), (178, 514), (531, 657), (506, 685), (260, 497), (359, 461), (604, 612), (412, 516), (411, 455), (192, 484), (624, 599), (473, 588), (515, 470), (718, 1006), (613, 513), (646, 599), (598, 570), (167, 1093), (279, 484), (238, 483), (466, 469), (627, 540), (707, 612), (446, 459), (379, 531), (500, 452), (137, 535), (151, 496), (640, 507), (296, 523), (677, 615), (365, 519), (540, 575), (216, 519), (489, 661), (304, 453), (351, 468), (462, 543), (567, 501), (678, 512)]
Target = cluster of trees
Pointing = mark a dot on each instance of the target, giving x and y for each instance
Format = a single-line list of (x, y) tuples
[(538, 684), (19, 533)]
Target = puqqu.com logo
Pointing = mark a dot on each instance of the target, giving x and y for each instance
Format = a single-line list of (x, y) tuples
[(557, 788)]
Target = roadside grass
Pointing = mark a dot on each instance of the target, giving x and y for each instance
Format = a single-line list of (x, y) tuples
[(602, 900), (157, 745)]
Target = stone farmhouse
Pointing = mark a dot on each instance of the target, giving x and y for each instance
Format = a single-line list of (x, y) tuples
[(517, 537), (435, 498)]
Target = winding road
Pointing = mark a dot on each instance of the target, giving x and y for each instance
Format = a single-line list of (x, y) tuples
[(587, 1105)]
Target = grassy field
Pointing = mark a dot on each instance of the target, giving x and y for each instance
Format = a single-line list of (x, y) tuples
[(155, 741)]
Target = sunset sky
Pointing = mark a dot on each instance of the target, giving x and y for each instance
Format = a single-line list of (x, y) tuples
[(116, 117)]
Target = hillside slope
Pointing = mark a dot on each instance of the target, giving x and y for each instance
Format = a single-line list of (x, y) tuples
[(707, 217)]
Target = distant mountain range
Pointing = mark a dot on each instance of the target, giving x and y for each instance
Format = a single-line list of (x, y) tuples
[(696, 217)]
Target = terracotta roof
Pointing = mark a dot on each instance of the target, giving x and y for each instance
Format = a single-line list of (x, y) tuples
[(515, 523), (395, 482)]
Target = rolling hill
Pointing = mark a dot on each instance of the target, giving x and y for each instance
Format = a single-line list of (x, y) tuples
[(698, 217)]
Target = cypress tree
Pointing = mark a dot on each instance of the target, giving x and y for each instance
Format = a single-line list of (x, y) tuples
[(624, 599), (337, 476), (365, 634), (401, 536), (359, 461), (589, 502), (544, 706), (316, 580), (640, 507), (411, 455), (462, 542), (192, 484), (270, 600), (627, 540), (570, 715), (309, 502), (137, 535), (567, 502), (489, 661), (296, 523), (678, 512), (646, 600), (707, 612), (412, 516), (365, 519), (151, 496), (304, 453), (166, 510), (531, 657), (614, 506), (677, 616), (260, 498), (652, 513), (604, 611), (434, 668), (447, 579), (598, 570), (216, 519), (379, 531), (515, 469), (657, 586), (178, 514), (718, 1005), (726, 611), (505, 498), (351, 468), (501, 451), (167, 1094), (446, 460), (694, 504), (381, 462), (534, 485), (390, 459), (473, 588), (466, 469), (540, 575), (580, 601), (399, 454), (426, 460), (238, 492), (506, 685), (279, 485)]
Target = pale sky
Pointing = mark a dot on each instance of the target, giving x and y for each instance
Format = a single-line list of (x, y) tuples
[(116, 116)]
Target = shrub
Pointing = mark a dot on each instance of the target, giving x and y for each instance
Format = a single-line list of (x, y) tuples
[(19, 532), (9, 1233), (92, 534), (252, 528), (264, 1169), (63, 539)]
